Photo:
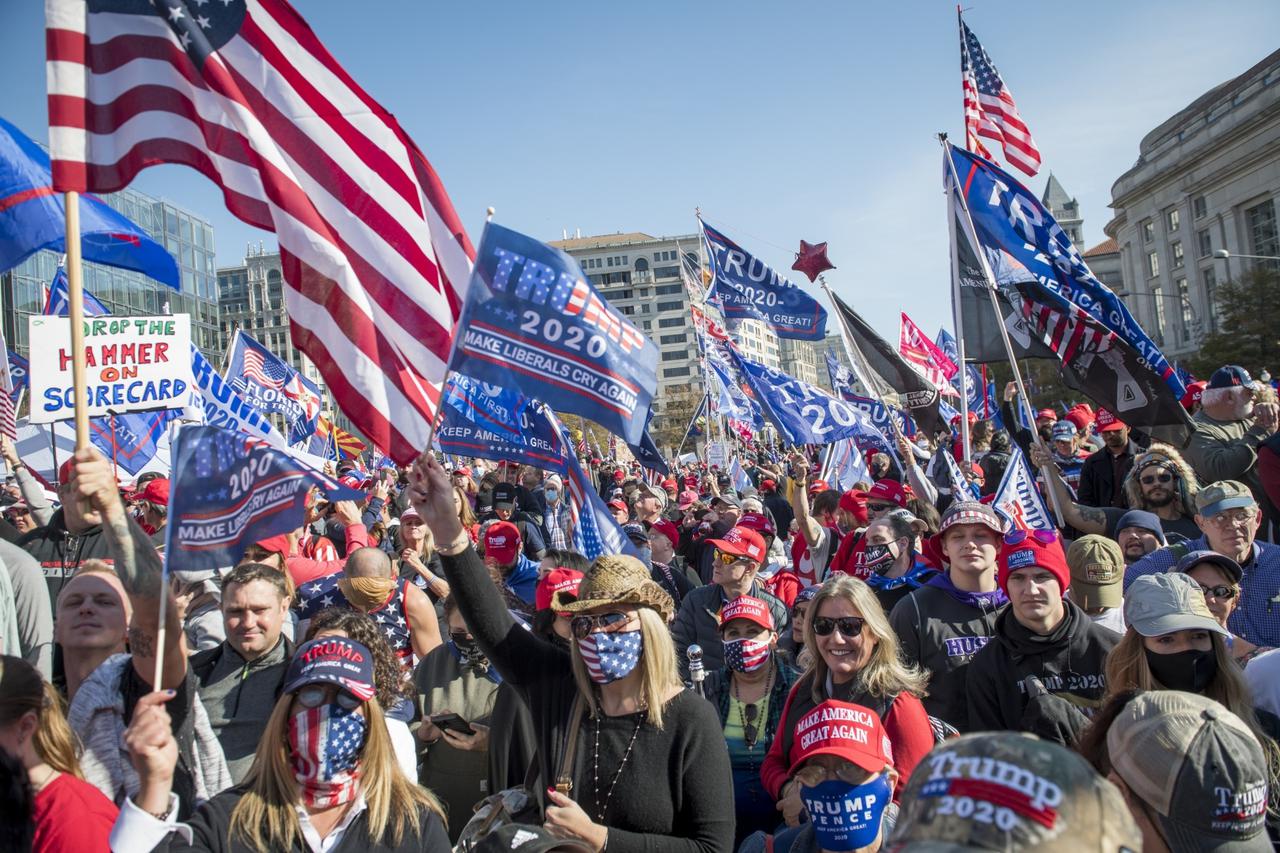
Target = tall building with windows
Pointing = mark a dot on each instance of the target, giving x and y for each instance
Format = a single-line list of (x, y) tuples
[(187, 237), (1065, 209), (1206, 180)]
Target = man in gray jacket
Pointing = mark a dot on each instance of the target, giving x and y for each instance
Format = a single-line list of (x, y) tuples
[(944, 623), (735, 562)]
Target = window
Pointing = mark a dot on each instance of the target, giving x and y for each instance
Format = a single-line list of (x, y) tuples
[(668, 372), (1153, 264), (667, 289), (674, 355), (1199, 207), (644, 308), (666, 272), (1148, 231), (1174, 219), (1177, 253), (657, 256), (642, 265), (671, 306), (1184, 300), (670, 322), (1204, 244), (1210, 279), (1157, 294), (682, 338), (647, 325), (610, 262), (1264, 239), (628, 309)]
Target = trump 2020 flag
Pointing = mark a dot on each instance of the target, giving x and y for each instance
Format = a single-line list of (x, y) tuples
[(223, 407), (57, 302), (18, 369), (495, 423), (229, 490), (745, 288), (271, 385), (533, 321), (594, 530), (32, 217), (841, 378), (1017, 498)]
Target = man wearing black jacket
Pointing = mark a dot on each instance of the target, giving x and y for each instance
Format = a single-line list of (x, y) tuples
[(1038, 635), (1102, 475)]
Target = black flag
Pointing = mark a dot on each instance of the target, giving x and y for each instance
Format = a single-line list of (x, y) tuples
[(893, 373)]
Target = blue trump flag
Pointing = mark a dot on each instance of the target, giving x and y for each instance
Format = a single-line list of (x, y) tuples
[(804, 413), (974, 386), (1009, 219), (532, 321), (230, 490), (746, 289), (594, 530), (496, 423), (841, 378), (1018, 500), (647, 453), (269, 384), (223, 407), (33, 217), (18, 370), (59, 302)]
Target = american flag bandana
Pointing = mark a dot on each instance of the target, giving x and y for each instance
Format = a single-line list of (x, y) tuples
[(325, 745), (610, 655), (745, 654)]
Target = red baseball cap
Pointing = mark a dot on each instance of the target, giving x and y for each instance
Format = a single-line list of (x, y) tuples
[(845, 730), (818, 486), (618, 476), (687, 499), (742, 542), (156, 491), (667, 529), (1194, 391), (558, 579), (1107, 422), (758, 522), (1079, 418), (618, 504), (747, 607), (1040, 548), (502, 542), (278, 544), (855, 503), (670, 484), (1046, 415), (888, 490), (768, 485), (64, 471)]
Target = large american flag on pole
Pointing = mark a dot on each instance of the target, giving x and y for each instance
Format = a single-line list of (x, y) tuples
[(989, 109), (374, 255)]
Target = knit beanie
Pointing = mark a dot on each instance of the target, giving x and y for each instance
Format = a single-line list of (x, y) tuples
[(1031, 551)]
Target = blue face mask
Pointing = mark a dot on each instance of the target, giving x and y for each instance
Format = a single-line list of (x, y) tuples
[(646, 555), (552, 495), (846, 816)]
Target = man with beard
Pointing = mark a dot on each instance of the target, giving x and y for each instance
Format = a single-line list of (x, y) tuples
[(1103, 473), (1160, 482), (1139, 533), (1236, 416)]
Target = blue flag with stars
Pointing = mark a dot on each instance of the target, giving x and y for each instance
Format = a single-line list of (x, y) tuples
[(594, 530), (489, 422), (230, 490)]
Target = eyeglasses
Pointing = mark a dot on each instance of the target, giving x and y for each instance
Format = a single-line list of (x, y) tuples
[(729, 559), (314, 695), (582, 626), (881, 507), (1152, 479), (1239, 518), (1017, 537), (1221, 591), (849, 626)]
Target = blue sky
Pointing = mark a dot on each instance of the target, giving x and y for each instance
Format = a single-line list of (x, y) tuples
[(781, 121)]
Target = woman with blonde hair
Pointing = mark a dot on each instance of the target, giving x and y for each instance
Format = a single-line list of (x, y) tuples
[(68, 813), (416, 559), (324, 775), (645, 762), (854, 659)]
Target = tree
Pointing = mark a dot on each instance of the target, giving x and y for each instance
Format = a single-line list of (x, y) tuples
[(1249, 325)]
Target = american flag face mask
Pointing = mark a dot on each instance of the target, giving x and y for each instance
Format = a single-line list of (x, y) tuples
[(610, 655), (746, 654), (325, 744)]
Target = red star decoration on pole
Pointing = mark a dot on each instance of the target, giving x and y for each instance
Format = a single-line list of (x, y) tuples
[(812, 260)]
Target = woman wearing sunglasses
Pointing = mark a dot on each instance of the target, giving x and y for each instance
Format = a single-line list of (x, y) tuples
[(649, 767), (855, 658), (324, 777), (749, 693), (1219, 578)]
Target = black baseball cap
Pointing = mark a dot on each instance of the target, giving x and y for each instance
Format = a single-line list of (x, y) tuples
[(504, 495)]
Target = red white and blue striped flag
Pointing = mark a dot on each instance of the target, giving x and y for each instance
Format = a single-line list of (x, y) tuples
[(989, 109), (374, 255)]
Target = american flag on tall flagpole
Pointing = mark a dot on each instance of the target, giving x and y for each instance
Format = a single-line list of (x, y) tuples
[(375, 258), (8, 409), (989, 109)]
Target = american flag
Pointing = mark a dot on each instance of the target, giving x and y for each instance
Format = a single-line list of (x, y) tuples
[(8, 408), (268, 374), (989, 109), (619, 656), (243, 91), (333, 738), (1067, 334), (594, 530)]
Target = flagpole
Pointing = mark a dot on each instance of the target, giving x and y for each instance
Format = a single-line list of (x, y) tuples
[(972, 234), (957, 317), (75, 299)]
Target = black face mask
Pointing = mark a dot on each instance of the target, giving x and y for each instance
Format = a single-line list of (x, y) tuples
[(1191, 670), (879, 558)]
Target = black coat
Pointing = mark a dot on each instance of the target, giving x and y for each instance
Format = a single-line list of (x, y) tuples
[(1098, 486)]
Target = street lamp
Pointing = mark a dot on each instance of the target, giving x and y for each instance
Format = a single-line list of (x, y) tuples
[(1225, 255)]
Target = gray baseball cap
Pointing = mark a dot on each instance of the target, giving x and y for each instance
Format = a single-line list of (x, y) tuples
[(1018, 793), (1198, 766), (1164, 603), (1223, 495)]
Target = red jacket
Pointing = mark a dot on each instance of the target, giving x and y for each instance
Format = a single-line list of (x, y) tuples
[(304, 569)]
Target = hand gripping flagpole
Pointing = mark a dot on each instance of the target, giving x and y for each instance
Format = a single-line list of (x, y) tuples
[(972, 234)]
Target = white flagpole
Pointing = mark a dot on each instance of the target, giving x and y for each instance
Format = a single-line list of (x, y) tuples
[(957, 314)]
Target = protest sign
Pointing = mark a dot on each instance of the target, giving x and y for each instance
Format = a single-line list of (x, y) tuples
[(132, 364)]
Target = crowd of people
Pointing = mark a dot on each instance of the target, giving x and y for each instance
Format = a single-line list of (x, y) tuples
[(779, 666)]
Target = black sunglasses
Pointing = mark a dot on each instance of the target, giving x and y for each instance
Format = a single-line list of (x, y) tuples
[(581, 626), (750, 731), (1152, 479), (849, 626), (881, 507), (1220, 591)]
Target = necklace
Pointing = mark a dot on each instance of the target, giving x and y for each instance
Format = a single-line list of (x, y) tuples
[(751, 732), (595, 763)]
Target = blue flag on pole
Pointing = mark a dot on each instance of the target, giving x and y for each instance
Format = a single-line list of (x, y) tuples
[(747, 289), (973, 387), (269, 384), (533, 321), (841, 378), (223, 407), (648, 454), (594, 530), (59, 302), (495, 423), (738, 474), (1018, 500), (1009, 218), (33, 217), (18, 370), (230, 490), (804, 413)]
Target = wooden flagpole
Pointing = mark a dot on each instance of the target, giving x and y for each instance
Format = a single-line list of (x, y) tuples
[(75, 299)]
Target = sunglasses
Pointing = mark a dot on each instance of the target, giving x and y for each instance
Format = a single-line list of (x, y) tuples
[(798, 611), (729, 559), (750, 731), (582, 626), (1017, 537), (314, 695), (881, 507), (849, 626), (1222, 591), (1152, 479)]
